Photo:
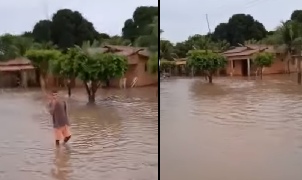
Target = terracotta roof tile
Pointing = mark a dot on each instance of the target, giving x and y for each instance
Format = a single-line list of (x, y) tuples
[(244, 53), (249, 50), (235, 50), (144, 52), (17, 61), (16, 67), (97, 50), (121, 50)]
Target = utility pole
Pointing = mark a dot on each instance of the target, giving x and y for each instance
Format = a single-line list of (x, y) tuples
[(208, 23), (45, 4)]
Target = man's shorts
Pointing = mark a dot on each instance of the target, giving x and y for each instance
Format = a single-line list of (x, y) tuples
[(62, 132)]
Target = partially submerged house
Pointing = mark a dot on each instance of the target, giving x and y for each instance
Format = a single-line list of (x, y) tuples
[(17, 72), (20, 72), (240, 61), (137, 65)]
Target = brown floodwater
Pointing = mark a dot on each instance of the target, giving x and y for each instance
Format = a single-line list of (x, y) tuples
[(235, 129), (115, 140)]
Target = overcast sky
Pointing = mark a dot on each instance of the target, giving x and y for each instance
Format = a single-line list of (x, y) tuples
[(17, 16), (182, 18)]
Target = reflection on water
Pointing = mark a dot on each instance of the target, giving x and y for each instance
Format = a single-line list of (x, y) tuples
[(234, 129), (117, 139), (61, 162)]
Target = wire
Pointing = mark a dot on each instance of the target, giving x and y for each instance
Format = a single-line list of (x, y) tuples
[(246, 6), (228, 5)]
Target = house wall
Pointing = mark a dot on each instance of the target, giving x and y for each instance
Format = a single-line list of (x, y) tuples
[(139, 70), (236, 70), (131, 73), (145, 78), (281, 66), (9, 79), (278, 67), (136, 68)]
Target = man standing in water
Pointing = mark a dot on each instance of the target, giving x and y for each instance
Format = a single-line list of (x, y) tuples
[(58, 110)]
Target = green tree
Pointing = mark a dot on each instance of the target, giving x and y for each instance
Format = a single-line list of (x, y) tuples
[(167, 50), (251, 42), (153, 63), (137, 26), (103, 36), (181, 49), (27, 34), (41, 59), (221, 46), (92, 69), (296, 16), (8, 50), (262, 60), (12, 46), (167, 66), (198, 41), (221, 32), (240, 27), (42, 31), (64, 67), (272, 39), (116, 40), (70, 28), (153, 46), (44, 45), (206, 61), (150, 39), (290, 41)]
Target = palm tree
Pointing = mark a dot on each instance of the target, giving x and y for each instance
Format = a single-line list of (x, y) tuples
[(167, 50), (153, 47), (251, 42), (221, 46), (290, 41), (116, 40), (8, 49)]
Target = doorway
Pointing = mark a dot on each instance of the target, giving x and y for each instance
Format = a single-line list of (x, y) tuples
[(244, 67)]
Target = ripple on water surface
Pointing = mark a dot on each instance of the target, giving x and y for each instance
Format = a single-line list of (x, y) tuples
[(117, 139), (234, 129)]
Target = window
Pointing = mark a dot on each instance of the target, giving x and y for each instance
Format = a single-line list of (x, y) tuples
[(233, 62), (146, 67)]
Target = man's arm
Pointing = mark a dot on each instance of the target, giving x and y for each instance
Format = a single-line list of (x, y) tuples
[(66, 108), (50, 107)]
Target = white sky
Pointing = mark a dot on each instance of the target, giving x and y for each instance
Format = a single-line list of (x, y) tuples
[(182, 18), (17, 16)]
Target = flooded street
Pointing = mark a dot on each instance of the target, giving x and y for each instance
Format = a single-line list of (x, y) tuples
[(235, 129), (115, 140)]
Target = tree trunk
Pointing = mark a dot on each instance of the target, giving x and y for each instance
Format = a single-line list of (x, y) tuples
[(91, 90), (69, 90), (210, 78), (42, 82), (299, 71), (261, 72), (91, 98), (192, 72)]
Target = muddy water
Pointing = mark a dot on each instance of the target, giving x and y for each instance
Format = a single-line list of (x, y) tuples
[(115, 140), (236, 129)]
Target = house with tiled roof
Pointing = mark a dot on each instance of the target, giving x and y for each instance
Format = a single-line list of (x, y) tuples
[(17, 72), (240, 61), (137, 65)]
